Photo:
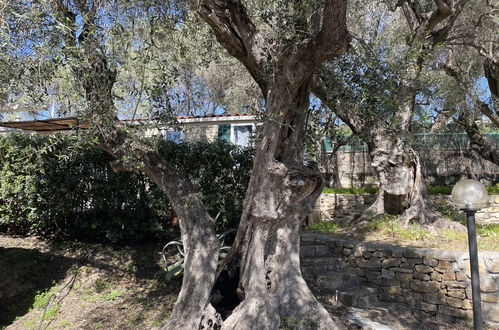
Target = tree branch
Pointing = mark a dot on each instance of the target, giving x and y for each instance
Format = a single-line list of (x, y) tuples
[(478, 142), (236, 32), (482, 106), (333, 39), (347, 114)]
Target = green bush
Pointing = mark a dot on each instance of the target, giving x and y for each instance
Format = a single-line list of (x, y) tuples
[(352, 191), (63, 186)]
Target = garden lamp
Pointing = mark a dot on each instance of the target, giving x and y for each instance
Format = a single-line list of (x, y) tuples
[(471, 196)]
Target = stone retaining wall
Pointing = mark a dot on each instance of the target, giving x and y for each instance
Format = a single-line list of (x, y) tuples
[(434, 284), (339, 207)]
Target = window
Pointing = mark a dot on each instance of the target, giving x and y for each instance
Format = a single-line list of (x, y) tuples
[(175, 136), (242, 135)]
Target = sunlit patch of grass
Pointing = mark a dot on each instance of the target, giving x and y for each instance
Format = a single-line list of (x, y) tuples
[(42, 297), (113, 294), (324, 226), (491, 230), (52, 311)]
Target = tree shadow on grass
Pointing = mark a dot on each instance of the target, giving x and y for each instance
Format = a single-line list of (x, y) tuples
[(24, 272)]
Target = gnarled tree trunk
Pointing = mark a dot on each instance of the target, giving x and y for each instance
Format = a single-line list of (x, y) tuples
[(402, 190), (282, 193)]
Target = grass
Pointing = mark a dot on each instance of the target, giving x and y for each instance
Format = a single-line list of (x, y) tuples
[(325, 226), (385, 228), (113, 294), (351, 191), (432, 190), (42, 297)]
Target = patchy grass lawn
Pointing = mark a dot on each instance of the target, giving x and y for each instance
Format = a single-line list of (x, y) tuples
[(387, 230), (95, 286)]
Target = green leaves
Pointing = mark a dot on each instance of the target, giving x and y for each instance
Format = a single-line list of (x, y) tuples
[(62, 186)]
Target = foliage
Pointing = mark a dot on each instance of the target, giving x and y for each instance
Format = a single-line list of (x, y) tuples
[(176, 268), (324, 226), (63, 186), (352, 190)]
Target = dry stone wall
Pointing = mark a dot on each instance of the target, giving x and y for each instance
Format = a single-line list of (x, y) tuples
[(340, 207), (433, 284)]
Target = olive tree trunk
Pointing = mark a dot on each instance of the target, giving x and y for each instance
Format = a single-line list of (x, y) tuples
[(282, 189)]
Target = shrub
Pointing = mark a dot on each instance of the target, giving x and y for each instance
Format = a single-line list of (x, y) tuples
[(63, 186)]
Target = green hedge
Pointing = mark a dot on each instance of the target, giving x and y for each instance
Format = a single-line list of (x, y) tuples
[(62, 186)]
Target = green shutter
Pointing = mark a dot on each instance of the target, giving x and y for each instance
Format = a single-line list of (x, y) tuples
[(327, 145), (224, 132)]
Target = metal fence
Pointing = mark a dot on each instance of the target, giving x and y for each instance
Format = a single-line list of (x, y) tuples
[(420, 141)]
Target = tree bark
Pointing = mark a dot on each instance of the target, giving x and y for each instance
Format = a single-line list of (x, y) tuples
[(282, 190), (402, 191)]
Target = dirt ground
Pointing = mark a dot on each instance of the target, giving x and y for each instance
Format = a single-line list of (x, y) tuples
[(103, 287), (97, 286)]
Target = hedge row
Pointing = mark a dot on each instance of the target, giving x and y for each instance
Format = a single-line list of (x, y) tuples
[(63, 186)]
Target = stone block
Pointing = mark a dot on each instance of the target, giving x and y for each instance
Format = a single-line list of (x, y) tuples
[(392, 290), (430, 261), (391, 262), (404, 277), (490, 311), (423, 268), (385, 282), (489, 297), (444, 264), (456, 293), (358, 251), (428, 307), (467, 304), (456, 312), (374, 263), (401, 270), (387, 297), (449, 275), (414, 261), (347, 252), (456, 285), (461, 276), (377, 254), (425, 286), (415, 252), (388, 274), (366, 254), (412, 298), (436, 276), (424, 316), (454, 302), (434, 298), (349, 245), (372, 274), (421, 276), (489, 284)]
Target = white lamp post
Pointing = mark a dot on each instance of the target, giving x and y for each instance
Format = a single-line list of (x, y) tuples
[(471, 196)]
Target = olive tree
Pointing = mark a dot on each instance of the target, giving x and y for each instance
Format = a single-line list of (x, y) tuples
[(394, 47), (95, 43)]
